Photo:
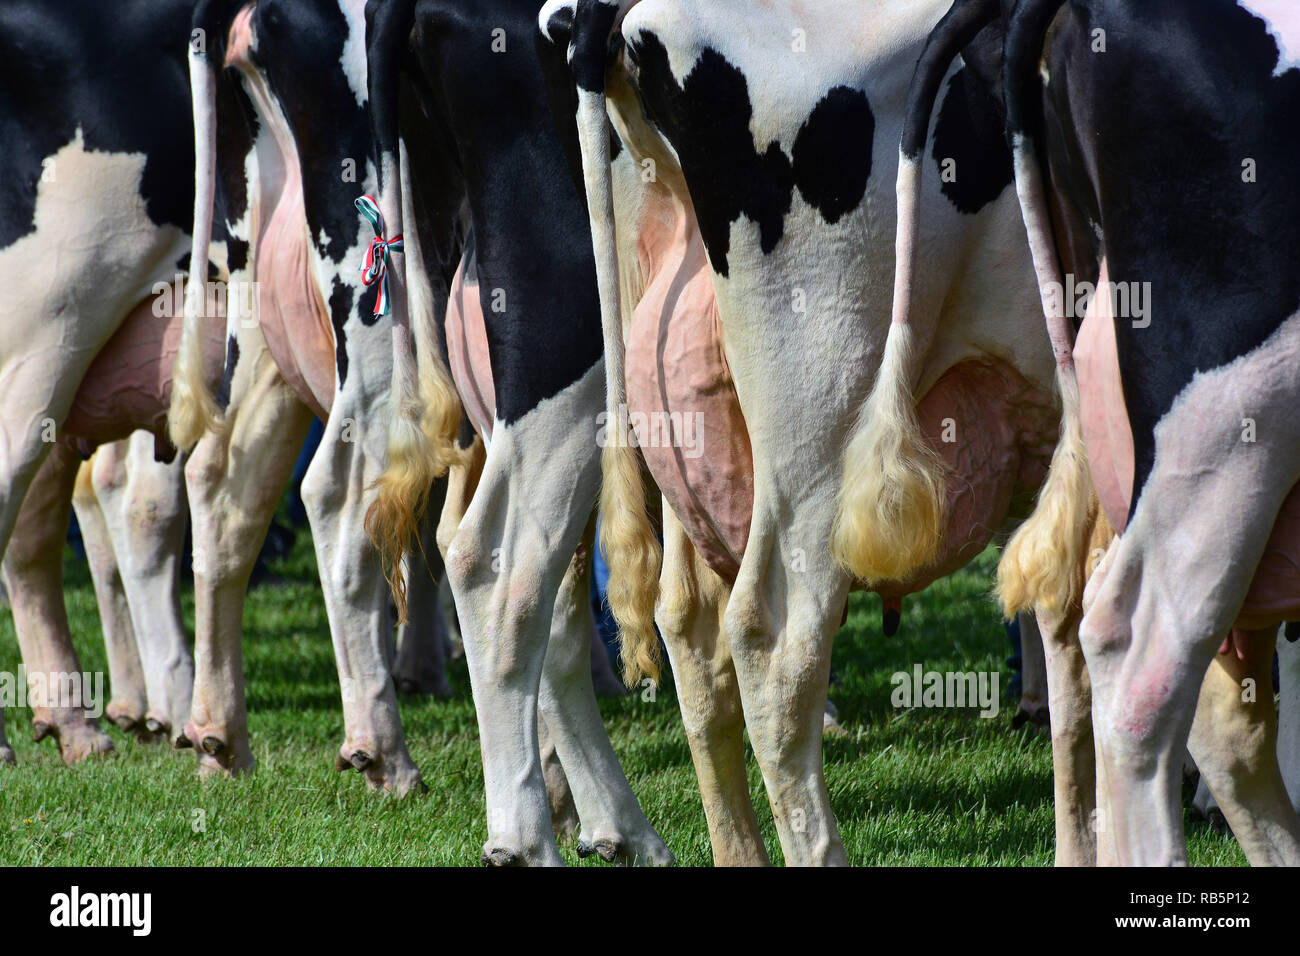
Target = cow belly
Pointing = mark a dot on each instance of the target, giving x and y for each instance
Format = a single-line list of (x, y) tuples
[(995, 432), (128, 385), (683, 405), (467, 347), (291, 311)]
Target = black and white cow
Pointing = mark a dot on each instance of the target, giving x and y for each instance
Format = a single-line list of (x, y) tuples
[(748, 257), (463, 84), (1155, 155), (282, 130), (93, 221)]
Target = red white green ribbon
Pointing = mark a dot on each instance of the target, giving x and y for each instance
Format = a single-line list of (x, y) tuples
[(375, 268)]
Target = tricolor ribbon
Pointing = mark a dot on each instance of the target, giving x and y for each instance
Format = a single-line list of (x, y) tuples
[(375, 268)]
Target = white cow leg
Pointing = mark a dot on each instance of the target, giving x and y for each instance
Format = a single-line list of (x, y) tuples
[(1288, 732), (422, 641), (1234, 743), (462, 482), (780, 621), (1034, 700), (337, 490), (692, 602), (234, 479), (1074, 767), (33, 569), (613, 826), (130, 700), (505, 562), (147, 518)]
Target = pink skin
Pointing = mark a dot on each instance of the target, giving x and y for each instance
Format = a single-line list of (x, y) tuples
[(467, 347), (128, 385), (675, 364), (1274, 594), (293, 317)]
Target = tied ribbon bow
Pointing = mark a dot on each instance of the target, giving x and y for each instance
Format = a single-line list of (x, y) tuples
[(375, 267)]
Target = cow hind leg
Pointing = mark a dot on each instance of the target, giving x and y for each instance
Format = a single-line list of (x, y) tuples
[(1074, 767), (462, 481), (612, 824), (1234, 743), (422, 642), (780, 621), (234, 478), (33, 569), (147, 517), (130, 700), (692, 602), (1034, 703), (506, 562), (338, 490)]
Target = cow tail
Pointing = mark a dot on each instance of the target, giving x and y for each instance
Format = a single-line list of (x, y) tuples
[(627, 537), (193, 410), (889, 514), (425, 407), (1044, 563)]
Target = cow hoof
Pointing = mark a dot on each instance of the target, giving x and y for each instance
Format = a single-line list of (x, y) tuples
[(361, 760), (499, 856), (650, 852), (607, 850), (408, 686), (1039, 721), (126, 723), (386, 768), (79, 742), (7, 756), (155, 726), (219, 757), (182, 742), (41, 730)]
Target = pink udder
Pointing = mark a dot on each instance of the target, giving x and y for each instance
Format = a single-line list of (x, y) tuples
[(467, 347), (1104, 413), (291, 311), (128, 386), (995, 431), (680, 394)]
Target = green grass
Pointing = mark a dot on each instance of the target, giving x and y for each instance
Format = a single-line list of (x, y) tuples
[(908, 787)]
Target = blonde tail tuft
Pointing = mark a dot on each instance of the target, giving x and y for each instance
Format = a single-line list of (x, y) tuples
[(890, 511), (1044, 562)]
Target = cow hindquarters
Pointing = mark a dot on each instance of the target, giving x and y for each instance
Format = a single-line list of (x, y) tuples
[(1165, 600), (692, 602)]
